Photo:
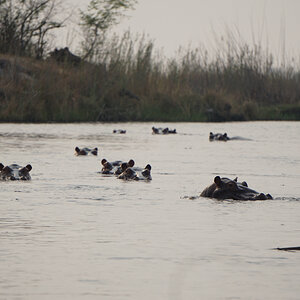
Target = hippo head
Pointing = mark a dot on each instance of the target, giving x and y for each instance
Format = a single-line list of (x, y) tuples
[(15, 172), (224, 137), (121, 131), (77, 151), (165, 130), (147, 172), (86, 151), (130, 163), (107, 166), (94, 151), (128, 173), (225, 188), (123, 167), (154, 130)]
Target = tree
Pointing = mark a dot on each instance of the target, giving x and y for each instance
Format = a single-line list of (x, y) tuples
[(101, 15), (25, 26)]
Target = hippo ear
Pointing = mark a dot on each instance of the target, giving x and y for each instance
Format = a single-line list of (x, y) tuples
[(28, 167), (131, 163), (77, 149), (235, 179), (1, 166), (103, 161), (217, 180), (7, 169), (148, 167)]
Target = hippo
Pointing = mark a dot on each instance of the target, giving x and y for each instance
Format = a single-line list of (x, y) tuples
[(116, 167), (131, 173), (124, 166), (15, 172), (224, 137), (120, 131), (225, 188), (128, 174), (109, 166), (86, 151), (163, 130), (146, 173), (218, 137)]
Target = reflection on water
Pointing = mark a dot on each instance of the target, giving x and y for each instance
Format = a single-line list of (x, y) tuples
[(72, 233)]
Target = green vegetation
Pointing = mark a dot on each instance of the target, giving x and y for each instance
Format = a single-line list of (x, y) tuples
[(124, 78)]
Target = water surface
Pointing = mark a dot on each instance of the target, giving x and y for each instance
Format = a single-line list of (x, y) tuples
[(72, 233)]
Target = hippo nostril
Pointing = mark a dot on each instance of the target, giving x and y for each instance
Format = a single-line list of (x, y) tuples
[(261, 196)]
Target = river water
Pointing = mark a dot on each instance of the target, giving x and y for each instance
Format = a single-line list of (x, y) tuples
[(72, 233)]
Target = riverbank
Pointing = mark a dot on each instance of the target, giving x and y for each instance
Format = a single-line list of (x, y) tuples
[(142, 87)]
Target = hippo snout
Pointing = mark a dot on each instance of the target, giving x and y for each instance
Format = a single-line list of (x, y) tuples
[(263, 196)]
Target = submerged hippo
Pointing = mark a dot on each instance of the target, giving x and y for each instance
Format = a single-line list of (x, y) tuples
[(15, 172), (130, 173), (86, 151), (124, 166), (146, 173), (120, 131), (116, 167), (225, 188), (162, 130), (224, 137), (218, 137)]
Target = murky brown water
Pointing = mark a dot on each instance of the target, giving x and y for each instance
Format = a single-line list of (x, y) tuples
[(72, 233)]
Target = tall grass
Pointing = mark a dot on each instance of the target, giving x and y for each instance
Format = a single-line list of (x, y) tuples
[(129, 80)]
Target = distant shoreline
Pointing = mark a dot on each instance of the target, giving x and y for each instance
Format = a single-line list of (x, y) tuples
[(42, 91)]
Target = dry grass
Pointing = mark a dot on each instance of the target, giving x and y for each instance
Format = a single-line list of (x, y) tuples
[(130, 81)]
